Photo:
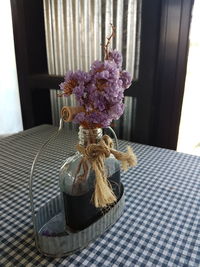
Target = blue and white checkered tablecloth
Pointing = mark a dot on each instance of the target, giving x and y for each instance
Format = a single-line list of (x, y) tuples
[(160, 225)]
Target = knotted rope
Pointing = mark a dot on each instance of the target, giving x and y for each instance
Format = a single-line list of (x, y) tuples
[(96, 154)]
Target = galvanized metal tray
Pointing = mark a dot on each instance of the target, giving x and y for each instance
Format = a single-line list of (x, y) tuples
[(53, 240)]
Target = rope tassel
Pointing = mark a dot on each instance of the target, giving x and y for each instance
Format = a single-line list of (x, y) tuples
[(96, 155), (103, 193), (127, 159)]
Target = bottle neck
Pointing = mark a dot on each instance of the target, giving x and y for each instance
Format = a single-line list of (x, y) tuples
[(89, 136)]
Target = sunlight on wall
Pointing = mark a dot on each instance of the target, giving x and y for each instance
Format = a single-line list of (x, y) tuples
[(189, 131), (10, 111)]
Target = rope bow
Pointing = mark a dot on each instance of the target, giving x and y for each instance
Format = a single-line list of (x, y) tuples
[(96, 155)]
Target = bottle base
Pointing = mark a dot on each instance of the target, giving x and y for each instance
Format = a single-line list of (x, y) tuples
[(80, 212)]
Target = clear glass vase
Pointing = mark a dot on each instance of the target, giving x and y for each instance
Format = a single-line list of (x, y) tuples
[(77, 184)]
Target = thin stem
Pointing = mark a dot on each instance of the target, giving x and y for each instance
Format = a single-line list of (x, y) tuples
[(106, 46)]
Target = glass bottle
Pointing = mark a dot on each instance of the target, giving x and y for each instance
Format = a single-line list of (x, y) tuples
[(77, 183)]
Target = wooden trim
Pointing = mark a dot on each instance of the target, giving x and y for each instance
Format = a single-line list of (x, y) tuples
[(41, 81), (30, 50), (171, 71), (18, 19), (144, 87)]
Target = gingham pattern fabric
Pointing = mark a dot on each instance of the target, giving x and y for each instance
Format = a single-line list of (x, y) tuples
[(160, 225)]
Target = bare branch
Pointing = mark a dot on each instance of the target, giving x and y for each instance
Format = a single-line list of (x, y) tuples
[(106, 46)]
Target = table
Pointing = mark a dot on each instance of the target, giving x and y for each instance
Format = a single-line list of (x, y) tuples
[(160, 225)]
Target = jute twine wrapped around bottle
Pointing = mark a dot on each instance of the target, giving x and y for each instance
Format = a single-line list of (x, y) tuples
[(96, 155)]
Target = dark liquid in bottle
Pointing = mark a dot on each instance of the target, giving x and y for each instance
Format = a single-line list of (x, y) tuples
[(80, 212)]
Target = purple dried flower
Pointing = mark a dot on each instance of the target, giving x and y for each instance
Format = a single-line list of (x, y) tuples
[(100, 91), (74, 79), (116, 111), (117, 57), (81, 77), (79, 118), (69, 83), (99, 101), (99, 118), (79, 93), (97, 66), (68, 75), (126, 79)]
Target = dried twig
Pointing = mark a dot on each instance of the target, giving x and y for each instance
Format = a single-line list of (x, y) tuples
[(106, 50)]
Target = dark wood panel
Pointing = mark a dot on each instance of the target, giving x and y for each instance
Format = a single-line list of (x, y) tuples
[(171, 71), (41, 100), (144, 87), (30, 48), (19, 29), (35, 36), (41, 81), (45, 80)]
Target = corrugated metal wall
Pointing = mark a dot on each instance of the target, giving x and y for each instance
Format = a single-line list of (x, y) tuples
[(75, 32)]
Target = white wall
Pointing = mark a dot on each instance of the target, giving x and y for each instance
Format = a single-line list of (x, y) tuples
[(10, 111)]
